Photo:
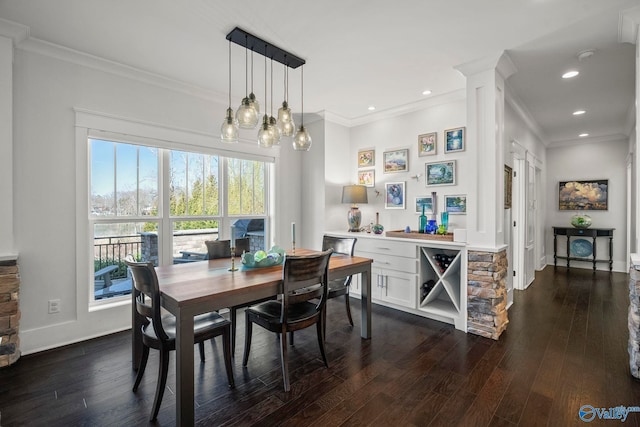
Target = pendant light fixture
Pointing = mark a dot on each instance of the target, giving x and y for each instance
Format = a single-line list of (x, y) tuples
[(273, 125), (302, 139), (265, 136), (229, 129), (246, 115), (285, 118), (253, 101)]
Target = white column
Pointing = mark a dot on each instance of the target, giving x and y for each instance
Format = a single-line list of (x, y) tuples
[(485, 141), (6, 147)]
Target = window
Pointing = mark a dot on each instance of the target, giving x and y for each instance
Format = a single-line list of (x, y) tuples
[(139, 207)]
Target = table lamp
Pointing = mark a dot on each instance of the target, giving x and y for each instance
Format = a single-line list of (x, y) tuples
[(354, 194)]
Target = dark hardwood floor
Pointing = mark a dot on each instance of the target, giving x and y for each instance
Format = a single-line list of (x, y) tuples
[(566, 346)]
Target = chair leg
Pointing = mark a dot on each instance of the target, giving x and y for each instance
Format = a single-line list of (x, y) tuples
[(141, 368), (201, 347), (247, 339), (162, 383), (226, 344), (290, 337), (234, 318), (320, 332), (348, 306), (285, 360)]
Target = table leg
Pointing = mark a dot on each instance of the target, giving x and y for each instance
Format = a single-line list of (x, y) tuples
[(555, 250), (568, 250), (610, 254), (365, 301), (184, 369), (594, 254)]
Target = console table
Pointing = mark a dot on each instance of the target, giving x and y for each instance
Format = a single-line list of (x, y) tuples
[(582, 232)]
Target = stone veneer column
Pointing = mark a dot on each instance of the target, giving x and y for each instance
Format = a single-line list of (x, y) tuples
[(487, 293), (634, 322), (9, 312)]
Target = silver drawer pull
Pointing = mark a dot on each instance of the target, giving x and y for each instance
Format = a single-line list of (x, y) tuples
[(386, 249)]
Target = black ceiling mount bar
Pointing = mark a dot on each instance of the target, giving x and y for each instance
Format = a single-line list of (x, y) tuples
[(264, 48)]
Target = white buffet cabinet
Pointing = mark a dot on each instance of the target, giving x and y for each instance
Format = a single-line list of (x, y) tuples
[(400, 268)]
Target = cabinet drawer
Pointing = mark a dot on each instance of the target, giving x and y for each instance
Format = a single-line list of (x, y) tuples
[(391, 262), (385, 247)]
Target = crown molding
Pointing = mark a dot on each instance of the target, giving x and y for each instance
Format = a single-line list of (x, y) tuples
[(13, 30), (521, 110), (602, 139), (62, 53), (335, 118), (628, 25)]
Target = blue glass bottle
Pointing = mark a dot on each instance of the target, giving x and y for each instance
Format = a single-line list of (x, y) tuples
[(422, 221), (431, 227)]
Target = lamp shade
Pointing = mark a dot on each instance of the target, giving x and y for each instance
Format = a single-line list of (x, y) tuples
[(354, 194)]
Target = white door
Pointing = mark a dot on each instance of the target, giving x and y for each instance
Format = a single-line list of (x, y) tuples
[(530, 235)]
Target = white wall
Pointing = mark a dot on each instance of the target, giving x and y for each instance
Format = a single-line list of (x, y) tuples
[(338, 173), (46, 90), (402, 132), (602, 160)]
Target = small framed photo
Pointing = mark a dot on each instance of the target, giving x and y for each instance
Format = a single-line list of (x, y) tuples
[(366, 158), (440, 173), (456, 205), (427, 202), (454, 140), (367, 177), (394, 195), (396, 161), (427, 144)]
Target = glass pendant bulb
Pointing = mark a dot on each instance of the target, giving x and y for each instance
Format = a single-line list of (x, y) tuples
[(253, 102), (302, 140), (246, 115), (273, 127), (229, 129), (265, 135), (285, 120)]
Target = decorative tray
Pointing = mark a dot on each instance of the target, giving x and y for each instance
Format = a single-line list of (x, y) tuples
[(415, 235)]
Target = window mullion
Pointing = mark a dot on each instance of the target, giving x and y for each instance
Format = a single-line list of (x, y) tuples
[(165, 232)]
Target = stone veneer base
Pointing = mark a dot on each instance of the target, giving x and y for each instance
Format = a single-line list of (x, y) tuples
[(9, 312), (487, 293)]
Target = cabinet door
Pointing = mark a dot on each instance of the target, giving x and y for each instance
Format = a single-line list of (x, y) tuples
[(355, 288), (397, 288)]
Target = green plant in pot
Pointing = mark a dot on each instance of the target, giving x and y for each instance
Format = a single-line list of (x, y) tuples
[(581, 221)]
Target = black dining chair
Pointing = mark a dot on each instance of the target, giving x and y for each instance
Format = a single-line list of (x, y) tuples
[(222, 249), (339, 287), (159, 332), (294, 310)]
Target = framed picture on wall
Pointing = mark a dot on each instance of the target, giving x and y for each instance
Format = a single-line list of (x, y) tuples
[(427, 144), (454, 140), (367, 177), (396, 161), (587, 195), (440, 173), (456, 205), (394, 195), (366, 158), (427, 201)]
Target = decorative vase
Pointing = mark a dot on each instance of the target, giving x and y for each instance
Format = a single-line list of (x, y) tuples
[(378, 228), (422, 221), (444, 221), (431, 227), (434, 204), (581, 221)]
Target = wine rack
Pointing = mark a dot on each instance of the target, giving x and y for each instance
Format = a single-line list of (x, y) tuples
[(442, 294)]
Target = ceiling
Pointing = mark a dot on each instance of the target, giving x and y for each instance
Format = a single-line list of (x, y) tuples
[(363, 53)]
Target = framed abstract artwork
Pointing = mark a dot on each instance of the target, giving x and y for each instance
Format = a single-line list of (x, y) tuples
[(440, 173), (592, 195), (427, 144), (455, 205), (366, 158), (394, 195), (396, 161), (367, 177), (454, 140)]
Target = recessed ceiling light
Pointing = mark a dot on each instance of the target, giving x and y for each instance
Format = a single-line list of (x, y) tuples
[(371, 108), (426, 92), (570, 74), (579, 112), (582, 135)]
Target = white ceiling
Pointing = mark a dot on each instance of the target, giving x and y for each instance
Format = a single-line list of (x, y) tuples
[(367, 52)]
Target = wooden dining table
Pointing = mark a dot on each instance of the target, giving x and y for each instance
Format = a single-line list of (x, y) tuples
[(193, 288)]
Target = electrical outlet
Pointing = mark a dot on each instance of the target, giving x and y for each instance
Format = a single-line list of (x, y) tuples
[(54, 306)]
